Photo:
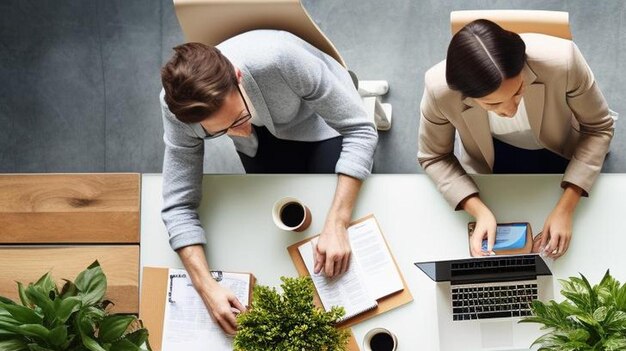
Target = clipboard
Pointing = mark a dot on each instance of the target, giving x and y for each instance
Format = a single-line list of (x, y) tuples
[(384, 304), (153, 299), (152, 307)]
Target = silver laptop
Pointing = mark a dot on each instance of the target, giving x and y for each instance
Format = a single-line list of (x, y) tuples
[(481, 300)]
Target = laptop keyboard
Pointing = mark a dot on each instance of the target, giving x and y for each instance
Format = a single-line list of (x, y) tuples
[(491, 265), (492, 301)]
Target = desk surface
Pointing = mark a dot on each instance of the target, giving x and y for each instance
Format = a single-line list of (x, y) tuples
[(418, 225)]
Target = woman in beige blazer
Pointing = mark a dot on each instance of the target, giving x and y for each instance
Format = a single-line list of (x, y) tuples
[(531, 99)]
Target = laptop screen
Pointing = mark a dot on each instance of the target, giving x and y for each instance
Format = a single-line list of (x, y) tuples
[(486, 269)]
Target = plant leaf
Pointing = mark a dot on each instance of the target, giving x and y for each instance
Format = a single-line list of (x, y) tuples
[(35, 347), (616, 323), (41, 299), (92, 284), (138, 337), (92, 344), (22, 314), (114, 326), (86, 319), (617, 342), (66, 307), (13, 345), (21, 291), (600, 314), (587, 319), (58, 335), (591, 319), (620, 298), (6, 300), (607, 279), (45, 284), (593, 298), (8, 324), (69, 289), (578, 335), (288, 321), (124, 345), (34, 330)]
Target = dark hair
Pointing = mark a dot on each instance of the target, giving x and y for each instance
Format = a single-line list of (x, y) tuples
[(481, 55), (196, 81)]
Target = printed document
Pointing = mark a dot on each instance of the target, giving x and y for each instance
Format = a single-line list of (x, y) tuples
[(188, 325), (372, 273)]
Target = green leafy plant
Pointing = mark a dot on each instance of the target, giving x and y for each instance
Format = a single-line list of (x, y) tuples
[(74, 318), (591, 317), (289, 321)]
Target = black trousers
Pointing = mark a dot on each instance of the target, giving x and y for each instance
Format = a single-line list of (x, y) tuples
[(510, 159), (286, 156)]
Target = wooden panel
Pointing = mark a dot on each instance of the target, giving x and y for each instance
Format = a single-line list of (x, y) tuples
[(69, 208), (119, 263)]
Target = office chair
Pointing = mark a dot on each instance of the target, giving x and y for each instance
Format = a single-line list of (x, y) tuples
[(213, 21), (553, 23)]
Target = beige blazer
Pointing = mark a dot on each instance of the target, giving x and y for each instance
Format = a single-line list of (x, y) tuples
[(566, 110)]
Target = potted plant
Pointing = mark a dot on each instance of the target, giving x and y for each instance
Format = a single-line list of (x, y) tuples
[(74, 318), (289, 321), (591, 317)]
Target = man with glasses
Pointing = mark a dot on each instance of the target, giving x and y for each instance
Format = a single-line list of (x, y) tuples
[(289, 108)]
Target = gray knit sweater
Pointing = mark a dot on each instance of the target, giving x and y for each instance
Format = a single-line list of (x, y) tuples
[(298, 92)]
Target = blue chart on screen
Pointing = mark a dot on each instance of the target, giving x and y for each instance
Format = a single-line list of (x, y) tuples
[(510, 236)]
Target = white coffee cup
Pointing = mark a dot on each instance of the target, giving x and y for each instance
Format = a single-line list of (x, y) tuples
[(291, 214), (380, 339)]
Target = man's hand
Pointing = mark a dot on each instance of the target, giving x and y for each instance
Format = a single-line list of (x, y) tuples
[(557, 230), (485, 226), (222, 305), (220, 302), (332, 252)]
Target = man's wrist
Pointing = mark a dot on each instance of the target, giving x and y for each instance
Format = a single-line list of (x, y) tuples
[(207, 284), (194, 260), (340, 213), (339, 217), (192, 255)]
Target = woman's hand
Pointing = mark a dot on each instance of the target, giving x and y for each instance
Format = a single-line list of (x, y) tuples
[(485, 229), (557, 230), (557, 233), (485, 226)]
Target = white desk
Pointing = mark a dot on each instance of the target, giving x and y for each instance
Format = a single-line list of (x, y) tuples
[(418, 225)]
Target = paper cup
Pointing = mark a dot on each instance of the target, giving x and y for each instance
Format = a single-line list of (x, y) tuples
[(380, 339), (291, 214)]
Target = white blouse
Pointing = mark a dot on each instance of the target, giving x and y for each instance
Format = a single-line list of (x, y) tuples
[(514, 130)]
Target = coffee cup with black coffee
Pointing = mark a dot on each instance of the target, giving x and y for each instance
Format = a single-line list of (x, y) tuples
[(380, 339), (291, 214)]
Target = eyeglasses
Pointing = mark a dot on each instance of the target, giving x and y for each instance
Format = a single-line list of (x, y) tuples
[(239, 121)]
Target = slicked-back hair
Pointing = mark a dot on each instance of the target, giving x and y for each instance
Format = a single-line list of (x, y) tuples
[(480, 56), (196, 81)]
